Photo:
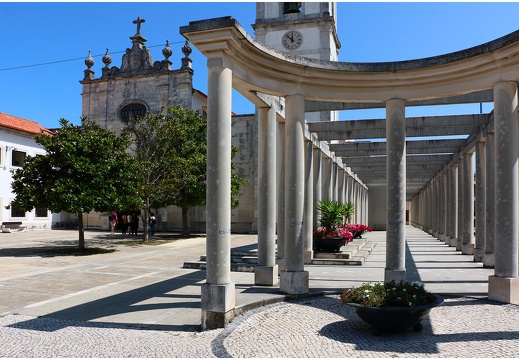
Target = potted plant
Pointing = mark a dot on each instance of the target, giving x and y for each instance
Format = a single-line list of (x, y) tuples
[(349, 211), (391, 306), (358, 230), (331, 235)]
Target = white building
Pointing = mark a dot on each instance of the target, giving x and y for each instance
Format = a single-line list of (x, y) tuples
[(16, 142)]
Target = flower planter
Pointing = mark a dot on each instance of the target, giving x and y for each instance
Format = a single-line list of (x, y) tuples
[(390, 319), (332, 244)]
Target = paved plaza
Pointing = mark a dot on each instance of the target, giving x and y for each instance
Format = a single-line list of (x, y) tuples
[(139, 302)]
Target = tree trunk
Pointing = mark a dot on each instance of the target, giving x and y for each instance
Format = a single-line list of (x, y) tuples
[(145, 222), (185, 225), (81, 230)]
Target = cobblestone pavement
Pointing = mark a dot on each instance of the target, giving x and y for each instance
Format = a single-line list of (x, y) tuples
[(315, 327)]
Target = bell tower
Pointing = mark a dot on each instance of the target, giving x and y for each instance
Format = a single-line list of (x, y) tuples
[(306, 29), (303, 28)]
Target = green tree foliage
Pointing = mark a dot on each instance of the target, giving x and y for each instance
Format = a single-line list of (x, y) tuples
[(85, 168), (171, 149)]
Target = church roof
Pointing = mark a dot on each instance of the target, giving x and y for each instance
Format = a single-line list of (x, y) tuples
[(19, 124)]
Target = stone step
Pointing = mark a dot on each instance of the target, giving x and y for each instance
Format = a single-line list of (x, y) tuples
[(352, 254), (360, 254), (236, 267), (346, 252)]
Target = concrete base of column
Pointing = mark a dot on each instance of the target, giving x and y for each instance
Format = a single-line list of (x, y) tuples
[(451, 241), (489, 260), (505, 290), (281, 264), (294, 282), (218, 303), (467, 249), (266, 275), (396, 275), (435, 234), (459, 244), (309, 255), (478, 255), (442, 237)]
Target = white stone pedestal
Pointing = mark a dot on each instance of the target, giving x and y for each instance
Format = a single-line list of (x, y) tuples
[(218, 303), (266, 275), (505, 290), (294, 282)]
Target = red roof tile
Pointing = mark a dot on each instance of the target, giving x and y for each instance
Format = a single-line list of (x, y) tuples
[(16, 123)]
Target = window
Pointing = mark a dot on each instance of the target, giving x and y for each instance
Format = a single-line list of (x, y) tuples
[(132, 110), (17, 212), (292, 7), (41, 212), (18, 158)]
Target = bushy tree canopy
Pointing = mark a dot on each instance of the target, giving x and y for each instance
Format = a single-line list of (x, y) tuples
[(85, 168)]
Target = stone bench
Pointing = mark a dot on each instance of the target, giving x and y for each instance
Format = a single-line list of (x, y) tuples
[(10, 226)]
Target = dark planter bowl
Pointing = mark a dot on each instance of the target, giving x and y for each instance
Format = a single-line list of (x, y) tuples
[(395, 318), (328, 244)]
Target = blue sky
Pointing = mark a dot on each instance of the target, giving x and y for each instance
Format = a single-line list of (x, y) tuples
[(61, 33)]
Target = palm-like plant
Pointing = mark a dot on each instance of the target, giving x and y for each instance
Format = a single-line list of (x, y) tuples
[(349, 211), (332, 214)]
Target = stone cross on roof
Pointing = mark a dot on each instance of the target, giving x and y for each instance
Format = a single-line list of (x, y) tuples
[(139, 21)]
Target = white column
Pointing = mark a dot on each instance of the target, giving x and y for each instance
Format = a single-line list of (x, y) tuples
[(504, 285), (468, 205), (218, 293), (488, 258), (318, 176), (453, 204), (396, 191), (309, 203), (459, 233), (266, 272), (326, 191), (281, 197), (293, 279), (481, 200)]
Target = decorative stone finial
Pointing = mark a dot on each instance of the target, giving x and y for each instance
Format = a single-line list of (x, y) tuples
[(167, 52), (107, 59), (186, 49), (89, 61)]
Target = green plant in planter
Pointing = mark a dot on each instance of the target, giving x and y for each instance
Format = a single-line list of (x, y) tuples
[(332, 214), (394, 294), (349, 211)]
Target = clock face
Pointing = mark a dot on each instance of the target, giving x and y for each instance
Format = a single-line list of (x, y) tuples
[(292, 40)]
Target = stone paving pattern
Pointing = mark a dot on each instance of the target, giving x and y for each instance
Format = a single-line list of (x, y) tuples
[(139, 302)]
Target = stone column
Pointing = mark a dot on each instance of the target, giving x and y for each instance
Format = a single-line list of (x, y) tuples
[(488, 258), (293, 279), (443, 209), (459, 234), (308, 228), (218, 293), (326, 191), (335, 177), (396, 192), (318, 176), (447, 207), (266, 272), (468, 205), (280, 260), (481, 200), (341, 177), (453, 204), (503, 286)]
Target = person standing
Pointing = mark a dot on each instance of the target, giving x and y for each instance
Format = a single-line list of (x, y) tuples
[(153, 221), (135, 223), (113, 220), (124, 226)]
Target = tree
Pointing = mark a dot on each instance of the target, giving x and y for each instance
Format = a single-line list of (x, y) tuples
[(171, 149), (85, 168)]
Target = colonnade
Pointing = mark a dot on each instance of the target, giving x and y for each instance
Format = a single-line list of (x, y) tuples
[(476, 209), (306, 173)]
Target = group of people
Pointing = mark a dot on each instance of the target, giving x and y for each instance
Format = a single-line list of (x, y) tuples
[(129, 222)]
